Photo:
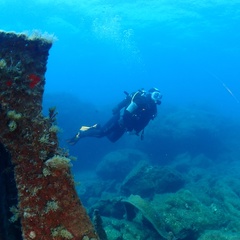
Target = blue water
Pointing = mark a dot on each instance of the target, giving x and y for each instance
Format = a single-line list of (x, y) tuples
[(188, 49), (105, 47)]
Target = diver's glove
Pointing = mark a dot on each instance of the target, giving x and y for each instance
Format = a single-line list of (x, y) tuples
[(74, 140)]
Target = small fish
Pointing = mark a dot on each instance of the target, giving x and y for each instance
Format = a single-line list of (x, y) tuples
[(226, 87)]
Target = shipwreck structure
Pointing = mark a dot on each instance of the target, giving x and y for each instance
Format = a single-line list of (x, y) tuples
[(38, 198)]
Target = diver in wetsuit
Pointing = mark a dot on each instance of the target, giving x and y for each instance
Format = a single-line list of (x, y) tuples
[(139, 108)]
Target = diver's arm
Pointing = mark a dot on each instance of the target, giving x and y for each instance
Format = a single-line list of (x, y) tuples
[(121, 105)]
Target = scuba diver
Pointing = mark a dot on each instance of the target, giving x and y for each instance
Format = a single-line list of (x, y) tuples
[(139, 108)]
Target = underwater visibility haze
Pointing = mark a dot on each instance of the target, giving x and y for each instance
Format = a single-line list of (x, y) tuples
[(182, 180)]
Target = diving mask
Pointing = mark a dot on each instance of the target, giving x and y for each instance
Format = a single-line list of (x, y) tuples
[(156, 97)]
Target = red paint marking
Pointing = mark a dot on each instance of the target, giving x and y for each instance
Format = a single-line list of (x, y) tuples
[(9, 83), (34, 80)]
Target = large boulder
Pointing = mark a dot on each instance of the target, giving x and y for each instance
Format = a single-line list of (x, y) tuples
[(147, 180)]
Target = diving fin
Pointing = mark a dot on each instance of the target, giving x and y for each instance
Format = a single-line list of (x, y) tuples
[(83, 132), (85, 128)]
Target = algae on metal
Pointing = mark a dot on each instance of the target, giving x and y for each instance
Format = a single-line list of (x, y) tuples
[(35, 173), (148, 212)]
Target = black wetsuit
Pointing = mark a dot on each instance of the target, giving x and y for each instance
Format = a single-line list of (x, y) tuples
[(145, 110)]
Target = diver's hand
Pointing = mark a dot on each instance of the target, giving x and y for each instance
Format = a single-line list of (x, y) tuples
[(72, 141)]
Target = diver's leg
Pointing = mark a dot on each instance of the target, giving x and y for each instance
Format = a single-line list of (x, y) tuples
[(117, 132), (93, 131), (111, 124), (112, 129), (96, 130)]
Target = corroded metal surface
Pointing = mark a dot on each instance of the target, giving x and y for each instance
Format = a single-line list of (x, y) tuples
[(47, 204)]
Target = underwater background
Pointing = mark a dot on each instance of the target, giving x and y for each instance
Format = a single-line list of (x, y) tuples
[(182, 181)]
